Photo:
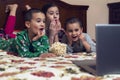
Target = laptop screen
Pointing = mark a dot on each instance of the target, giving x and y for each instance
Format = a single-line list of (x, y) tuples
[(108, 48)]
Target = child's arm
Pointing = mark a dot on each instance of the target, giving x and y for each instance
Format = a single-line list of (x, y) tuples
[(5, 44), (10, 24), (38, 35), (88, 43), (54, 28), (85, 43), (37, 47)]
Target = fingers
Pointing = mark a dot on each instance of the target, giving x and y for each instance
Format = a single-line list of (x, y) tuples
[(55, 25), (53, 28), (52, 24), (39, 34), (27, 7), (82, 37), (47, 55), (58, 25)]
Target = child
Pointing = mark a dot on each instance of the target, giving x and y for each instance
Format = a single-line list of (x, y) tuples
[(32, 42), (53, 24), (76, 40)]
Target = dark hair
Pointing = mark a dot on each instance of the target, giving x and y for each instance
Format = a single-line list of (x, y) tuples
[(47, 6), (72, 20), (29, 13)]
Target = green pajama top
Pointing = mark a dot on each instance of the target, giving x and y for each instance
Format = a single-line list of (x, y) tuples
[(24, 48)]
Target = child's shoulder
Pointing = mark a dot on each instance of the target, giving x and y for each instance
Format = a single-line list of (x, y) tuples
[(22, 32), (85, 34)]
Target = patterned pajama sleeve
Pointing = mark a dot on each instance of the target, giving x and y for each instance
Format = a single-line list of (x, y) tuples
[(33, 49), (5, 44)]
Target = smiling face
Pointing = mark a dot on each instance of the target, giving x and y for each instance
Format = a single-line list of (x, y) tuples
[(73, 31), (37, 23), (52, 14)]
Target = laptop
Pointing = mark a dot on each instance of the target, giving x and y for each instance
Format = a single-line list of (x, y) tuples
[(108, 49)]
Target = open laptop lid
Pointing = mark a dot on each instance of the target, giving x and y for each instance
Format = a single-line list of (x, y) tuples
[(108, 48)]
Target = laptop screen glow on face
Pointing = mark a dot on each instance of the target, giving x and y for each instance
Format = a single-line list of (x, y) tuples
[(108, 48)]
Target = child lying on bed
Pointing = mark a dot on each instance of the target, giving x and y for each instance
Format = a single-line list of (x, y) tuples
[(31, 42), (76, 40)]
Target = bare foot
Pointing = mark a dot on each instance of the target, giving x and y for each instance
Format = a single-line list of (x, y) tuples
[(11, 7), (27, 7)]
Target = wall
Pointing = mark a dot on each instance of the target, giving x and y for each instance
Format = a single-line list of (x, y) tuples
[(97, 12)]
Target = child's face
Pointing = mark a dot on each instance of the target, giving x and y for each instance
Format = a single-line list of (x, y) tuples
[(52, 14), (37, 23), (73, 31)]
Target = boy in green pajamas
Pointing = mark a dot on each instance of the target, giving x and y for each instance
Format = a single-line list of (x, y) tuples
[(32, 42)]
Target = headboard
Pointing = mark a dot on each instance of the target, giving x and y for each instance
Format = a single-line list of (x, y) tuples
[(66, 11)]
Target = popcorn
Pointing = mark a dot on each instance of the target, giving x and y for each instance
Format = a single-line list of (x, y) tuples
[(58, 48)]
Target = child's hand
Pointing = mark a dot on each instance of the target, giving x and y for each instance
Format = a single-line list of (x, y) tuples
[(82, 37), (58, 25), (47, 55), (54, 27), (39, 34), (85, 43)]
